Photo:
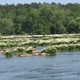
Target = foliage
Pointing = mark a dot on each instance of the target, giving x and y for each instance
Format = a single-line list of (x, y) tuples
[(21, 44), (50, 51), (29, 51), (8, 54), (20, 49), (39, 18)]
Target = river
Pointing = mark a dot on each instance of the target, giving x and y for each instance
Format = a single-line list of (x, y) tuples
[(63, 66)]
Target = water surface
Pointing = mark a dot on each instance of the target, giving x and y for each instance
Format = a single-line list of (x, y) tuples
[(64, 66)]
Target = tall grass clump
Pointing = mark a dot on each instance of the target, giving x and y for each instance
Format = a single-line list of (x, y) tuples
[(8, 53), (19, 50), (29, 51), (62, 47), (50, 51)]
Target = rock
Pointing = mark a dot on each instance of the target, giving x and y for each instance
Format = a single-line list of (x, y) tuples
[(49, 68), (30, 48), (1, 52), (43, 54), (36, 54), (36, 51), (25, 55), (55, 65)]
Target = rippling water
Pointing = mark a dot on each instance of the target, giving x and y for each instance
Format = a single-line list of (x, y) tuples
[(64, 66)]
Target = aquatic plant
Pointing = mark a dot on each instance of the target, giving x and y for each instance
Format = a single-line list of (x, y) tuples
[(29, 51), (62, 47), (8, 53), (20, 49), (50, 51)]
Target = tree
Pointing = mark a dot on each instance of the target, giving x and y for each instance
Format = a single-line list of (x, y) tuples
[(6, 26), (74, 25), (18, 22)]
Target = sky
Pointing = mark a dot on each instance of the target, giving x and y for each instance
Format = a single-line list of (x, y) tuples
[(3, 2)]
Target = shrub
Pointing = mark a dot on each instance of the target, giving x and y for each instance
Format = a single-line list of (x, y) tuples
[(50, 51), (29, 51), (20, 49), (71, 47), (77, 47), (8, 54)]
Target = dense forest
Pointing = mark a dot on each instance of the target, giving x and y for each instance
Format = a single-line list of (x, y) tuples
[(39, 18)]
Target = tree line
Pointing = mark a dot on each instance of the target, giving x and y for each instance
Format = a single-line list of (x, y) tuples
[(39, 18)]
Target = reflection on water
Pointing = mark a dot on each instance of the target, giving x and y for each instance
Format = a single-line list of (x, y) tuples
[(64, 66)]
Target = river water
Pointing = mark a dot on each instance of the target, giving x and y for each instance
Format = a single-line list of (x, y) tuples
[(63, 66)]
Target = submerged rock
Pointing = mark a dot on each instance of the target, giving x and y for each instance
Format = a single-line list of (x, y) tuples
[(30, 48), (55, 65), (43, 54), (36, 52), (25, 55)]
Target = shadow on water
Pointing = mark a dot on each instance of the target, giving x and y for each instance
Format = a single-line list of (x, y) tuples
[(64, 66)]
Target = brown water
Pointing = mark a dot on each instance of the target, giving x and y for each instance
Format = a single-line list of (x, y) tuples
[(64, 66)]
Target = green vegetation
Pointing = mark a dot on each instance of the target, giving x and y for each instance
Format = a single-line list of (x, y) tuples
[(29, 51), (26, 45), (8, 55), (38, 18), (51, 51)]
